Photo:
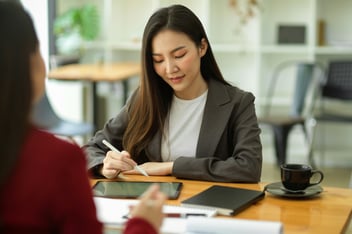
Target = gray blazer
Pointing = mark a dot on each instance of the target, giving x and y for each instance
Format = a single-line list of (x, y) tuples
[(229, 147)]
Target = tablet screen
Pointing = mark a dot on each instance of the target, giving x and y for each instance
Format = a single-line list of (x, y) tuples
[(133, 189)]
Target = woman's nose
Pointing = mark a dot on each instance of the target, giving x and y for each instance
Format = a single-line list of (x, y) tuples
[(171, 67)]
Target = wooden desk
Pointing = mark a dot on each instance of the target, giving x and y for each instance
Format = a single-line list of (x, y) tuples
[(96, 73), (328, 213)]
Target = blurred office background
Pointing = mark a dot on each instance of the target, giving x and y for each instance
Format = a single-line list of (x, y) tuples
[(250, 39)]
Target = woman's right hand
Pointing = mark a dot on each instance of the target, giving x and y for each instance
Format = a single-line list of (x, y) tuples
[(114, 163)]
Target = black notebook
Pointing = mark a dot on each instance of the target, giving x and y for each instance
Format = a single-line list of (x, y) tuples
[(226, 200)]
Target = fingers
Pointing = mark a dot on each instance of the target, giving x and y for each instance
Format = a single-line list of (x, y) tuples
[(116, 155), (110, 173), (153, 196), (121, 161), (150, 206), (115, 163), (150, 193)]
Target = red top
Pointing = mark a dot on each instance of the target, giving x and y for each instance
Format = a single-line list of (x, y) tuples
[(50, 191)]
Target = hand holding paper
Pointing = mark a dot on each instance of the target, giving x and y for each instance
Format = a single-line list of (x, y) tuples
[(150, 206), (112, 211)]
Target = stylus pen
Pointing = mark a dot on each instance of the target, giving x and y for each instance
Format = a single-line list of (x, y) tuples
[(174, 215), (110, 146), (183, 215)]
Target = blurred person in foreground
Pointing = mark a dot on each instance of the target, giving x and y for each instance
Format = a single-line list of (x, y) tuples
[(43, 180)]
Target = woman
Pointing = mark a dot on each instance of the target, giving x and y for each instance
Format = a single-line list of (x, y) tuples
[(184, 119), (43, 180)]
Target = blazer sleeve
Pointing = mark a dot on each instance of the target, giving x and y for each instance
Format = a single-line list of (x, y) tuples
[(238, 153), (112, 132)]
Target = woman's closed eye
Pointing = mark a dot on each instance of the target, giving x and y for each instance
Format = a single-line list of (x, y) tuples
[(180, 55), (158, 60), (155, 60)]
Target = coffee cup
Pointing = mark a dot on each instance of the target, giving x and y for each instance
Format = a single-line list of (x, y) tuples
[(296, 177)]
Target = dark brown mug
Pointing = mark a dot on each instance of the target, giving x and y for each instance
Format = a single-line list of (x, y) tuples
[(297, 177)]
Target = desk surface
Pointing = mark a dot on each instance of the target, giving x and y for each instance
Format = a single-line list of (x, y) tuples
[(329, 212), (96, 72)]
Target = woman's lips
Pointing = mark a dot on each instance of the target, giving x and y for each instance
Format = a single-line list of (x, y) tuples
[(176, 80)]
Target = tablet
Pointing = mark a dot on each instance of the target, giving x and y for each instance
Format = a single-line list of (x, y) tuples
[(134, 189)]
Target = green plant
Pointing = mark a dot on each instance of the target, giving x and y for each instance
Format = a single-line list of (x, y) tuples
[(75, 26)]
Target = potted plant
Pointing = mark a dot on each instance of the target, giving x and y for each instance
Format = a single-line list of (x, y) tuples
[(74, 27)]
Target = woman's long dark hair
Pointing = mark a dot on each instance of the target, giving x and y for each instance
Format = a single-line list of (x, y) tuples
[(149, 108), (18, 41)]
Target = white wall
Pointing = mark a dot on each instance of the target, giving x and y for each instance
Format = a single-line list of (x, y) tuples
[(38, 9), (66, 97)]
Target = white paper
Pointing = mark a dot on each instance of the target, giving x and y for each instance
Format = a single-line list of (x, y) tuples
[(201, 225), (111, 212)]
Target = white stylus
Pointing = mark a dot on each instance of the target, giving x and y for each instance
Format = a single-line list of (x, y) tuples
[(110, 146)]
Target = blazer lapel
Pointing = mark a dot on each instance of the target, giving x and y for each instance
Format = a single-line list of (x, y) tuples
[(216, 114)]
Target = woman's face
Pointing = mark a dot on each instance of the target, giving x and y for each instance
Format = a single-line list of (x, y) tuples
[(176, 60), (38, 74)]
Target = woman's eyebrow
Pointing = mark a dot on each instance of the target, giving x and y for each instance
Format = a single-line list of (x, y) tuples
[(172, 51), (178, 48)]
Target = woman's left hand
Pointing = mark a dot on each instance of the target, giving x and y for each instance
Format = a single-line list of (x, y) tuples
[(150, 207), (154, 168)]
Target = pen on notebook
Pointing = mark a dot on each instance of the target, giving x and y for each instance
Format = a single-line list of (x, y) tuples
[(110, 146)]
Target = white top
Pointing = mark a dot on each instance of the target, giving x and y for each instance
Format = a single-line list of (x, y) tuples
[(182, 128)]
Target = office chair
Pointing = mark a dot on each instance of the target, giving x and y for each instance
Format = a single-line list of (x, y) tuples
[(336, 86), (282, 124), (57, 60), (45, 117)]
